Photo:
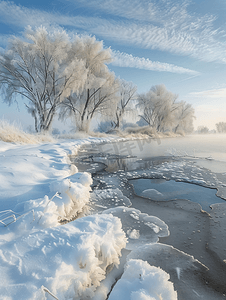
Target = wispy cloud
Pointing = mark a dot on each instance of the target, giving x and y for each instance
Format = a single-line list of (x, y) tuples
[(121, 59), (135, 10), (214, 93), (164, 25), (21, 16)]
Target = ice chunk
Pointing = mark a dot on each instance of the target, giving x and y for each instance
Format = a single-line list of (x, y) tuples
[(150, 228), (140, 281), (152, 194), (107, 198), (133, 234)]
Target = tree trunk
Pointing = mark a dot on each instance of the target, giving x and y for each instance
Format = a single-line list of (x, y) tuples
[(86, 105)]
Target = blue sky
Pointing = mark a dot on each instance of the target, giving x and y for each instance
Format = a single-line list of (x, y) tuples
[(181, 44)]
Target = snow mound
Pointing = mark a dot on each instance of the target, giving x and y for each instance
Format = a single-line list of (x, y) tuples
[(153, 194), (70, 199), (74, 194), (186, 272), (140, 281), (39, 213), (68, 261)]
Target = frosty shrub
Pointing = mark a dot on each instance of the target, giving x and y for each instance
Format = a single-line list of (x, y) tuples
[(146, 130), (12, 133)]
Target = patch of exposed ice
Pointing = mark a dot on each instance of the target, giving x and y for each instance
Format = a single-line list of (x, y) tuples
[(150, 227), (107, 198), (172, 190)]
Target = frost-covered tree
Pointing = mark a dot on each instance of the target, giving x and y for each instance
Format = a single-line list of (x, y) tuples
[(127, 95), (43, 69), (158, 107), (99, 95), (82, 107), (221, 127), (184, 117), (161, 110), (203, 129)]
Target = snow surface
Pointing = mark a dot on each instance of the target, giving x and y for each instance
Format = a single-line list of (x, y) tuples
[(42, 256), (68, 260), (140, 281)]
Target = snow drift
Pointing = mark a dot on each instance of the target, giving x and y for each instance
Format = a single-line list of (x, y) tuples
[(71, 196), (70, 260)]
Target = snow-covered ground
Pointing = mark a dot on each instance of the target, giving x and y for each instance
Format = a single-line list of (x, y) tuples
[(52, 247), (42, 256)]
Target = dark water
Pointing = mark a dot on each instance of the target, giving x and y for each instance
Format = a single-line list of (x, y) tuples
[(117, 167), (171, 190), (139, 155)]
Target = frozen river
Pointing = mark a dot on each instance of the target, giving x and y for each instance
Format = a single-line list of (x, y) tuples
[(179, 181)]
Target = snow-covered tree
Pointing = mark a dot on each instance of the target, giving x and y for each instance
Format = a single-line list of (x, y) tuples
[(184, 117), (43, 69), (99, 95), (127, 93), (203, 129), (158, 107), (221, 127)]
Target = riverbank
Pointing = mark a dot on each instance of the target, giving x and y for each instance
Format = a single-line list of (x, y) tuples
[(40, 258), (41, 189)]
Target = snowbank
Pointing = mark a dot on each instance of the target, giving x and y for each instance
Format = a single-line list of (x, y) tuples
[(38, 256), (69, 260), (39, 189), (71, 195), (74, 194)]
